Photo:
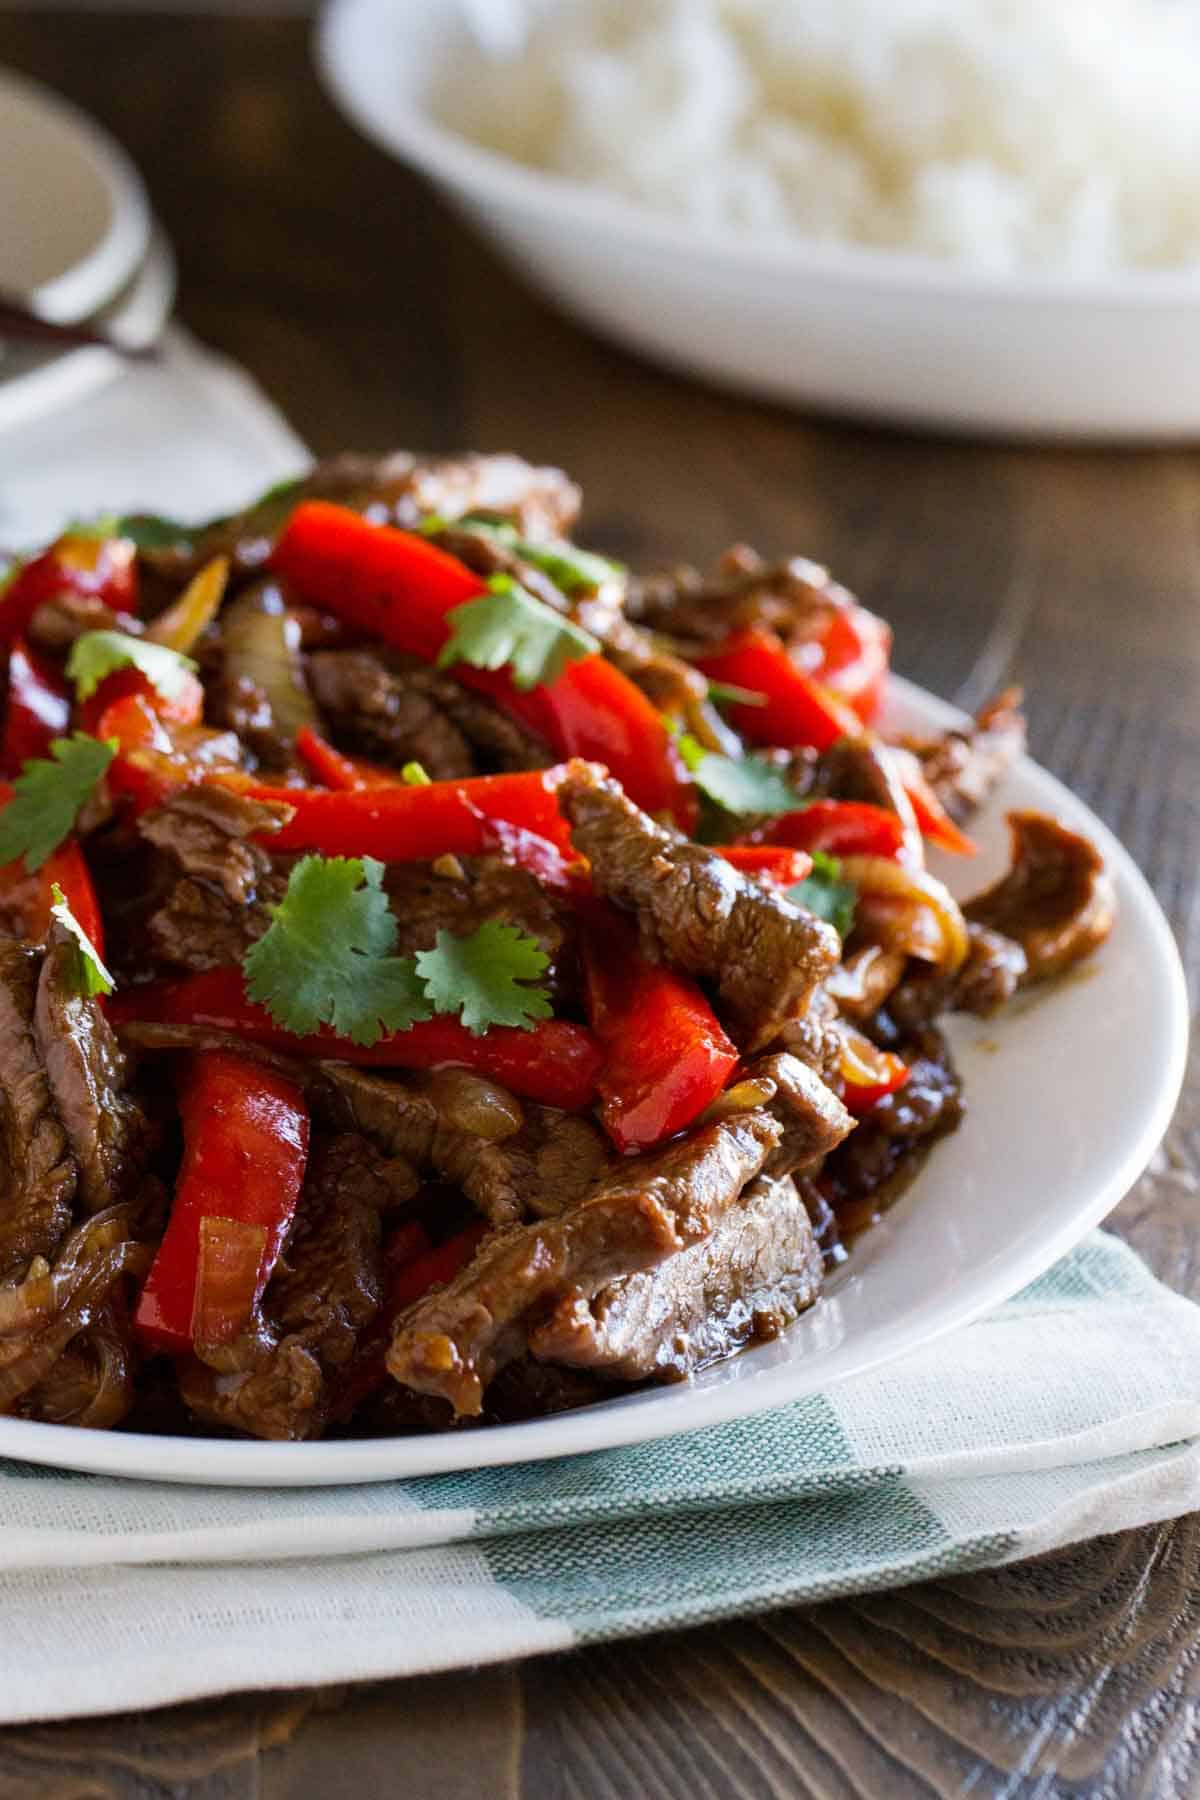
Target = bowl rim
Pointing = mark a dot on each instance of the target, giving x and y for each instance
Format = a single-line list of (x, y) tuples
[(414, 133)]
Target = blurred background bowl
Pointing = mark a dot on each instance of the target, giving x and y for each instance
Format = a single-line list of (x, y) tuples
[(872, 334)]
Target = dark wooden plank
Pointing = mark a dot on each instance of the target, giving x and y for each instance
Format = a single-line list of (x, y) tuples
[(374, 319)]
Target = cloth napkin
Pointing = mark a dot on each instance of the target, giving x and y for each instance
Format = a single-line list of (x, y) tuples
[(1072, 1410)]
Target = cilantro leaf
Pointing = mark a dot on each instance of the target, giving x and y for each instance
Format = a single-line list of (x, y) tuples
[(508, 627), (739, 784), (88, 973), (327, 959), (48, 795), (572, 570), (97, 653), (824, 893), (481, 976), (149, 531)]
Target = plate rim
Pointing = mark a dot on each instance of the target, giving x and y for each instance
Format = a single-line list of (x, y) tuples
[(412, 131), (612, 1424), (92, 282)]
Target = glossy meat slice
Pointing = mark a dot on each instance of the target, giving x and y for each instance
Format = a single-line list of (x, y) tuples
[(511, 1158), (85, 1066), (37, 1170), (757, 1272), (793, 597), (398, 489), (394, 713), (813, 1119), (963, 767), (1057, 900), (649, 1208), (211, 883), (763, 957)]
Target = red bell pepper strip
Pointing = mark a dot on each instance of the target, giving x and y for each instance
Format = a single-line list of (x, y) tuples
[(839, 828), (666, 1056), (795, 710), (408, 1240), (100, 569), (595, 712), (555, 1061), (933, 821), (855, 649), (782, 866), (416, 1265), (39, 708), (341, 773), (245, 1137), (150, 765), (413, 824), (65, 868), (397, 586), (186, 708), (434, 1267)]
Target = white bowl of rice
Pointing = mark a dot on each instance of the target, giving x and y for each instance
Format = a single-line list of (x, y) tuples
[(976, 215)]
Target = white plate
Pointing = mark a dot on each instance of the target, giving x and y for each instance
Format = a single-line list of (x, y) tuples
[(874, 334), (1069, 1093), (36, 379), (74, 221)]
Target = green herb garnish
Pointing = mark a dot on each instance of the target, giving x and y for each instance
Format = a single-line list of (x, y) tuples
[(508, 628), (98, 653), (88, 975), (48, 796), (825, 893)]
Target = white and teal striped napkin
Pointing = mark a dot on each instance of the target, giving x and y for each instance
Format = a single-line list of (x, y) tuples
[(1071, 1411)]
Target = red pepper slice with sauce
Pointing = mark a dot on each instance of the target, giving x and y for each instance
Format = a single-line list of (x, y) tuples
[(38, 710), (782, 866), (839, 828), (31, 894), (397, 586), (102, 569), (554, 1061), (666, 1056), (414, 824), (245, 1136), (795, 711)]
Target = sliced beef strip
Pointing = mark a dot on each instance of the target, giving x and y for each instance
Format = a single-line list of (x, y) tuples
[(963, 767), (763, 957), (38, 1172), (324, 1293), (452, 1342), (1057, 900), (398, 489), (397, 712), (533, 1160), (757, 1272), (794, 598), (813, 1118), (85, 1067), (210, 884), (460, 894), (994, 969)]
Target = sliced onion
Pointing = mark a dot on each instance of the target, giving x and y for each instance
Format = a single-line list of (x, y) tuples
[(83, 1276), (862, 983), (907, 910), (261, 641), (181, 624), (470, 1103), (227, 1280)]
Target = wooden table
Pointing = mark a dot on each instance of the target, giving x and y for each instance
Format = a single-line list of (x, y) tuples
[(375, 320)]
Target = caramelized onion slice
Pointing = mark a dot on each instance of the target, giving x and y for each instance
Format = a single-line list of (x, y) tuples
[(907, 910), (181, 624)]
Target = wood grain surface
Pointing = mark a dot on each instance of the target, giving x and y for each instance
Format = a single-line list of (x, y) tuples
[(374, 320)]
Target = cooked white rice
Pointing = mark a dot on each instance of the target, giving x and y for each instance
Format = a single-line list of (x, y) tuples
[(1053, 134)]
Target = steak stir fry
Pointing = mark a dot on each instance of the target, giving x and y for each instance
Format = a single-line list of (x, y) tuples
[(444, 978)]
